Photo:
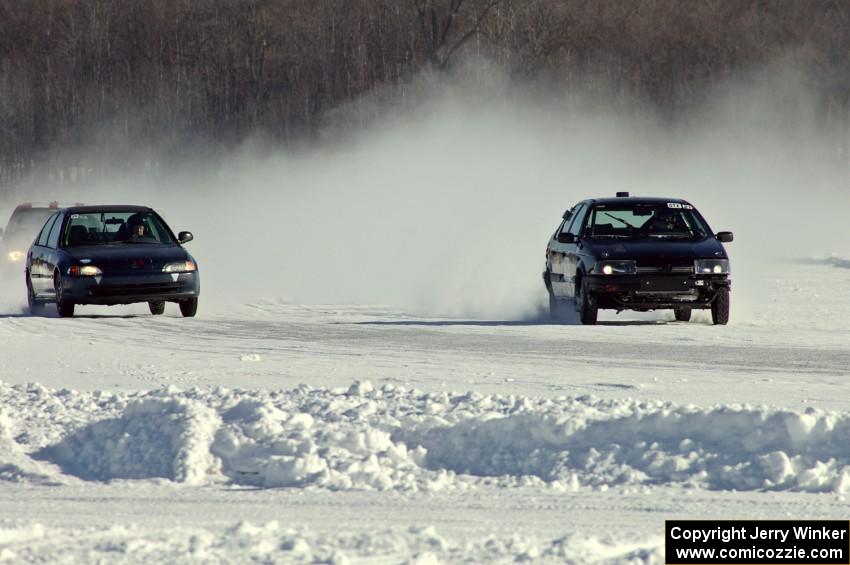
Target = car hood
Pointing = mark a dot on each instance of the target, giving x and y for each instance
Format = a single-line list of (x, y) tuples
[(128, 258), (656, 248)]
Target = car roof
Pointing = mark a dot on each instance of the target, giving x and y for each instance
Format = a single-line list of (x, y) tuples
[(636, 200), (109, 208)]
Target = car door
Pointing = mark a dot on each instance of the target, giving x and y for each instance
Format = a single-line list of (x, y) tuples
[(36, 259), (572, 251), (559, 253), (52, 254)]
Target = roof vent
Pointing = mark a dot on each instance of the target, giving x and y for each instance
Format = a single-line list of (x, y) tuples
[(622, 195)]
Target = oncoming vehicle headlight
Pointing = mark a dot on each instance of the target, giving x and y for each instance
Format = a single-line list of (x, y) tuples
[(84, 271), (180, 267), (616, 267), (15, 255), (711, 266)]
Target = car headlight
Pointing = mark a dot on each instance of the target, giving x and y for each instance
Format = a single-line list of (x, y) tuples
[(615, 268), (711, 266), (180, 267), (15, 255), (84, 271)]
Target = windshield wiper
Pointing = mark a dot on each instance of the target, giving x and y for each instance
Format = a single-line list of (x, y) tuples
[(671, 236), (620, 220)]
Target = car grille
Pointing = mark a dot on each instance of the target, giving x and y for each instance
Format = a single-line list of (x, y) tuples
[(140, 289), (679, 270), (665, 266)]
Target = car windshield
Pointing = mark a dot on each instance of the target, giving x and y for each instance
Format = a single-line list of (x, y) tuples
[(107, 228), (27, 222), (665, 220)]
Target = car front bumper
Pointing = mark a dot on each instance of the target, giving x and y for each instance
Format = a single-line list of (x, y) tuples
[(657, 291), (127, 289)]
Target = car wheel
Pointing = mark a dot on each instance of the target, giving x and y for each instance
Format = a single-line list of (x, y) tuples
[(720, 307), (189, 307), (682, 314), (157, 307), (64, 308), (35, 306), (586, 305), (559, 309)]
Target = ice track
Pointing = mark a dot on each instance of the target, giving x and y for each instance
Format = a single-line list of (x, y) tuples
[(274, 431)]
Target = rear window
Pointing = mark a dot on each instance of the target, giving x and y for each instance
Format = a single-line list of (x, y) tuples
[(27, 221), (105, 228)]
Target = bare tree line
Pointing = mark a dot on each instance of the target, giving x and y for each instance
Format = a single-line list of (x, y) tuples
[(164, 73)]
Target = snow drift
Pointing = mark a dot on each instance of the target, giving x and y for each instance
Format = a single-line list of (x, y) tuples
[(391, 438), (273, 543)]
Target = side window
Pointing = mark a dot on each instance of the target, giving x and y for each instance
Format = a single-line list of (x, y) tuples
[(559, 229), (565, 223), (578, 218), (591, 219), (42, 237), (53, 238)]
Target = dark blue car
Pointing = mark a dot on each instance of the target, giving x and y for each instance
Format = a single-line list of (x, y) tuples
[(110, 255), (629, 253)]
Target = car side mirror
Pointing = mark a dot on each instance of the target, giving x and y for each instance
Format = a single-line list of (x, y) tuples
[(566, 237), (724, 236), (185, 237)]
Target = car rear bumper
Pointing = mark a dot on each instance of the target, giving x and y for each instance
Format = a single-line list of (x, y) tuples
[(131, 288), (657, 291)]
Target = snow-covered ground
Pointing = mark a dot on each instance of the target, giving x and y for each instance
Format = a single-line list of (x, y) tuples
[(274, 431)]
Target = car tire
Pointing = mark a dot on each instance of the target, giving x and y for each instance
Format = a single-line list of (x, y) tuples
[(189, 307), (720, 307), (36, 307), (64, 308), (682, 314), (157, 307), (586, 305)]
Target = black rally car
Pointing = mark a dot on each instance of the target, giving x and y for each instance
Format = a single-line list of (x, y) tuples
[(629, 253), (110, 255)]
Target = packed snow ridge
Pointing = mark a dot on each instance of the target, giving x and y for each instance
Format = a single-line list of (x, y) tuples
[(272, 543), (392, 438)]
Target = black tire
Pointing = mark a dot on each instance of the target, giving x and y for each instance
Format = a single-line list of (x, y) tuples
[(65, 308), (189, 307), (559, 309), (157, 307), (682, 314), (36, 307), (720, 307), (588, 311)]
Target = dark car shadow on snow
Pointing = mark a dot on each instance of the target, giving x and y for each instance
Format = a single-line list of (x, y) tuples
[(51, 315), (506, 323)]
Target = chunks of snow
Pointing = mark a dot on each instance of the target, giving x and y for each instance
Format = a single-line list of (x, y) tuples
[(272, 543), (152, 438), (390, 438)]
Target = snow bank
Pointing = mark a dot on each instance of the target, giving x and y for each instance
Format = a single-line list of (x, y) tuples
[(272, 543), (390, 438), (152, 438), (833, 260)]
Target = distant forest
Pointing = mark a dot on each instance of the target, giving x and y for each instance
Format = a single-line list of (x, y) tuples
[(161, 73)]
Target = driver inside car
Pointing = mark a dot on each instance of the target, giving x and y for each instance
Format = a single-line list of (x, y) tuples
[(666, 222), (137, 228)]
